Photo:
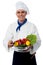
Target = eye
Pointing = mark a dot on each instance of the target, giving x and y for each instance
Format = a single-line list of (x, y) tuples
[(23, 11), (18, 12)]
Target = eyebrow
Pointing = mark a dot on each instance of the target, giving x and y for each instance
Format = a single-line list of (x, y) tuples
[(21, 11)]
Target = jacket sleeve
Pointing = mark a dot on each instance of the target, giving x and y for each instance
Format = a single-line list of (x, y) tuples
[(8, 37), (38, 42)]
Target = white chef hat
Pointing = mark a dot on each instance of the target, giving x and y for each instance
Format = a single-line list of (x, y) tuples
[(21, 5)]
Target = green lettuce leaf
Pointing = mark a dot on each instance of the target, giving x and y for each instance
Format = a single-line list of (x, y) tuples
[(32, 38)]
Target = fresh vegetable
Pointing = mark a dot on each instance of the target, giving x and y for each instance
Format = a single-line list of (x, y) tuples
[(16, 44), (29, 40), (27, 43), (32, 38)]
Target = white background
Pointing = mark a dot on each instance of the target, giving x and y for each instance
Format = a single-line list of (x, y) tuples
[(7, 16)]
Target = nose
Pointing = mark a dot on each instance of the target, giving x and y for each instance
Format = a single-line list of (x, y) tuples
[(20, 14)]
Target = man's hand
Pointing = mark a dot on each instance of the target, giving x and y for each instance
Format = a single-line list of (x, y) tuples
[(27, 48), (10, 43), (33, 55)]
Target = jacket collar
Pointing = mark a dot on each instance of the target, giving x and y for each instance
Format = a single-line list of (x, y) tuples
[(20, 24)]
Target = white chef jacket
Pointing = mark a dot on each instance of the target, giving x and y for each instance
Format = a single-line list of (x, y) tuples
[(26, 29)]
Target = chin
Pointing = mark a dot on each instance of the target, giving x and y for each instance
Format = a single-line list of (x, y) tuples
[(21, 20)]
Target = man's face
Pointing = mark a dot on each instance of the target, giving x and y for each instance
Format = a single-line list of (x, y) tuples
[(21, 14)]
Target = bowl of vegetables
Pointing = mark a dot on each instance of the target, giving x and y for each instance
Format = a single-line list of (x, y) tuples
[(26, 42)]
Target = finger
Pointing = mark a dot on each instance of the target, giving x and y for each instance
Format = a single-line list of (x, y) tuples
[(33, 55), (26, 49), (11, 44)]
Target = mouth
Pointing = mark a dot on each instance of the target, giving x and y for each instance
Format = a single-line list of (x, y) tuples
[(21, 17)]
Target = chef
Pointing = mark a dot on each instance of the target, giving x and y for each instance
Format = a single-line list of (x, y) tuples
[(19, 30)]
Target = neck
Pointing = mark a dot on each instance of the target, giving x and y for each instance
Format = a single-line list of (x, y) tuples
[(21, 21)]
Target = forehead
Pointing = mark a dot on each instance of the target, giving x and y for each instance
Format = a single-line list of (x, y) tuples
[(20, 10)]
